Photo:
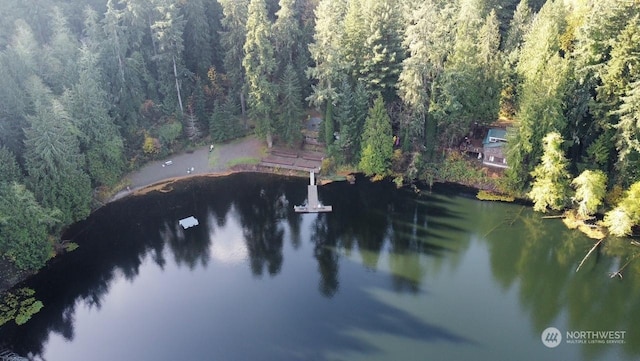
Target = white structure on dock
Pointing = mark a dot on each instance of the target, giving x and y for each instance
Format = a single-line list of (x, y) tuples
[(6, 355), (313, 204), (188, 222)]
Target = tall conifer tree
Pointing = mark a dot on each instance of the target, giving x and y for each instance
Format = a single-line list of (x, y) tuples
[(259, 66)]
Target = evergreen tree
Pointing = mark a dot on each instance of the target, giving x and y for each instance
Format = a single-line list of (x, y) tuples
[(125, 66), (591, 187), (429, 40), (168, 30), (377, 141), (223, 124), (59, 58), (469, 90), (544, 75), (346, 121), (355, 35), (17, 63), (626, 214), (628, 136), (24, 227), (291, 111), (9, 169), (191, 128), (606, 66), (328, 128), (623, 73), (519, 26), (382, 63), (232, 40), (286, 35), (198, 38), (259, 65), (326, 51), (99, 138), (550, 177), (52, 157), (361, 99)]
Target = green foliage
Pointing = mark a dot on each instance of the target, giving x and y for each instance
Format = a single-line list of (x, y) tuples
[(9, 169), (544, 74), (59, 68), (383, 47), (377, 141), (167, 31), (456, 168), (519, 26), (286, 35), (19, 306), (259, 65), (328, 166), (626, 214), (618, 222), (429, 38), (70, 246), (224, 122), (232, 40), (591, 187), (347, 124), (355, 34), (491, 196), (628, 133), (471, 82), (328, 125), (291, 111), (169, 132), (99, 139), (550, 184), (24, 227), (199, 40), (327, 51), (599, 152), (53, 159), (151, 145)]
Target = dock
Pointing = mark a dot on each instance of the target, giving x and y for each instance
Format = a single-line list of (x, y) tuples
[(6, 355), (188, 222), (313, 204)]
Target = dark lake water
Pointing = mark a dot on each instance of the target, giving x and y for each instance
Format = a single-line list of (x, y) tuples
[(389, 275)]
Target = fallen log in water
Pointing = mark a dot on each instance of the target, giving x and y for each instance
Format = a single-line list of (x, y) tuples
[(589, 253)]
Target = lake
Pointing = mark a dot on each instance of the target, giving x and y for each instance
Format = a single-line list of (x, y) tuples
[(388, 275)]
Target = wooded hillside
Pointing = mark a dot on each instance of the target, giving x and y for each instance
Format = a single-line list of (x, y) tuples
[(90, 90)]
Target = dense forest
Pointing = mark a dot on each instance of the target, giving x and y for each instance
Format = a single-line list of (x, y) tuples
[(90, 90)]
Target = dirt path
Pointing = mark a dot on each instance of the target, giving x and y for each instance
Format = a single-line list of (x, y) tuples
[(199, 162)]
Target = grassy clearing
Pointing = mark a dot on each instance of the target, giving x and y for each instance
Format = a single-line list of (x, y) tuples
[(214, 156), (243, 161)]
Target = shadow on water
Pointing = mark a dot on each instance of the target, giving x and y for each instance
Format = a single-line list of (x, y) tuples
[(375, 215)]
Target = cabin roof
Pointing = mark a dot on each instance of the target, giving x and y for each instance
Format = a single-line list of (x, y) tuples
[(496, 133)]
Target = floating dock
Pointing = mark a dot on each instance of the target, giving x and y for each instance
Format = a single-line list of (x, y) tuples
[(313, 204), (188, 222), (6, 355)]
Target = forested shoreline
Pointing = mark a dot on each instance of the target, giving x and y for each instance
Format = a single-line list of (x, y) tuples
[(91, 90)]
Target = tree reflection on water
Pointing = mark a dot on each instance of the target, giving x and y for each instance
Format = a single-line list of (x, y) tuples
[(418, 236)]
